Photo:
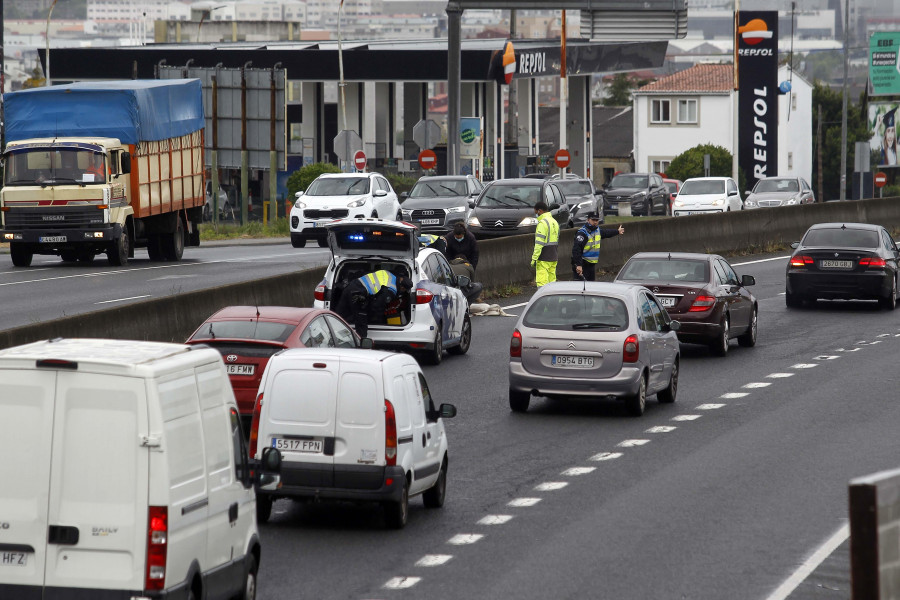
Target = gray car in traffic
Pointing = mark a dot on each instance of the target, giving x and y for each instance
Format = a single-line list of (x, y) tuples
[(593, 339)]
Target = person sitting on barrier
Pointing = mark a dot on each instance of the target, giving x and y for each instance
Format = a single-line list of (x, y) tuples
[(366, 298), (460, 241)]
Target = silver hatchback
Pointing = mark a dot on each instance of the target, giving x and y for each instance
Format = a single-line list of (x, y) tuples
[(606, 340)]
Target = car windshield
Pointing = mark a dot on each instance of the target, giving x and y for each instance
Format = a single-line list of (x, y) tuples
[(438, 188), (776, 185), (696, 188), (574, 188), (510, 196), (841, 237), (338, 186), (577, 311), (629, 181), (249, 329), (55, 166), (661, 269)]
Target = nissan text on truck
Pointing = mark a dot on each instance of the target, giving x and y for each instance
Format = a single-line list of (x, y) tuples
[(102, 168)]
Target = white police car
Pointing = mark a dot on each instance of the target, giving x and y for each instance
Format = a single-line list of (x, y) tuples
[(434, 317)]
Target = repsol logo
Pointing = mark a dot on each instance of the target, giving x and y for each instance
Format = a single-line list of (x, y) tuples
[(755, 52), (533, 62), (760, 132)]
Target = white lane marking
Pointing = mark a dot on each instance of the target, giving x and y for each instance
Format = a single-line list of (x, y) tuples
[(731, 395), (514, 305), (821, 553), (122, 299), (709, 406), (551, 486), (825, 357), (883, 335), (686, 417), (897, 335), (755, 385), (779, 375), (853, 350), (632, 443), (401, 583), (433, 560), (461, 539), (576, 471), (804, 366), (606, 456), (762, 260), (661, 429), (495, 519), (523, 502)]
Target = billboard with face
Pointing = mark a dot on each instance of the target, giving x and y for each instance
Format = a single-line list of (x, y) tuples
[(883, 117)]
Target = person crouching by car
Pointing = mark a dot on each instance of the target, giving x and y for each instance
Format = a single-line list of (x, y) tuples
[(461, 242), (366, 298), (461, 266), (586, 247)]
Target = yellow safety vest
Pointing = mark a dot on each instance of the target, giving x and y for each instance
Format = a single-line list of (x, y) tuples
[(591, 251), (546, 239), (375, 281)]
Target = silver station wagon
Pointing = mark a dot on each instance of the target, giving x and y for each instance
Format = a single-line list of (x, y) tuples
[(603, 340)]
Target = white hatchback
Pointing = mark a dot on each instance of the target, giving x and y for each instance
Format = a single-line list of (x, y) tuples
[(432, 318), (334, 196), (704, 195)]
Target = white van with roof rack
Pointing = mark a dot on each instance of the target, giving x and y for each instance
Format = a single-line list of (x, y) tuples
[(125, 474)]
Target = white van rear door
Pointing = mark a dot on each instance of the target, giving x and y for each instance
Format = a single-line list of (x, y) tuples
[(26, 437), (359, 433), (98, 490)]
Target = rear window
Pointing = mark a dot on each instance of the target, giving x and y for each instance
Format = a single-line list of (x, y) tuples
[(671, 186), (696, 188), (687, 271), (574, 188), (577, 311), (841, 237), (373, 237), (245, 330)]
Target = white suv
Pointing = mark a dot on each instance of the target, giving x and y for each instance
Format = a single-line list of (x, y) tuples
[(432, 318), (335, 196), (704, 195)]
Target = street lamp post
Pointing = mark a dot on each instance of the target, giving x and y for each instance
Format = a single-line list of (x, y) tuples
[(341, 85), (203, 16), (47, 36), (843, 179)]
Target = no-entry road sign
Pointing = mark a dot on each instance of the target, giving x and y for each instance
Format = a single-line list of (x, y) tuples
[(880, 179), (562, 158), (359, 160), (427, 159)]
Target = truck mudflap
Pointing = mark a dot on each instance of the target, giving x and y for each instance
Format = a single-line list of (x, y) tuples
[(61, 238)]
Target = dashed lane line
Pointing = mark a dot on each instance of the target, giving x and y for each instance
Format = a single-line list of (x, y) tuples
[(433, 560), (710, 406), (779, 375), (551, 486), (401, 583), (661, 429), (495, 520), (733, 395), (756, 385), (523, 502), (576, 471), (606, 456), (686, 417), (632, 443), (462, 539)]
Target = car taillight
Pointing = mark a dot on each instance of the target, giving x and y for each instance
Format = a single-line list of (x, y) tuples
[(319, 294), (390, 434), (423, 296), (801, 261), (157, 545), (631, 349), (254, 425), (702, 303), (515, 344), (872, 263)]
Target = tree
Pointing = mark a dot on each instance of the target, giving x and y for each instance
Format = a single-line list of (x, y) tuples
[(831, 102), (618, 93), (690, 164), (301, 178), (36, 79)]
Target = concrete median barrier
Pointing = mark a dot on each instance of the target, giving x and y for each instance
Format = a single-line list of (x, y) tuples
[(502, 262)]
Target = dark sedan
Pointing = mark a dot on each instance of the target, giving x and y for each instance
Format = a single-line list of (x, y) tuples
[(247, 336), (848, 261), (702, 292), (506, 207), (582, 198), (435, 203), (644, 191)]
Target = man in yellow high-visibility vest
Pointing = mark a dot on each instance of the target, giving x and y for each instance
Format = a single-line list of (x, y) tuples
[(546, 245), (367, 298)]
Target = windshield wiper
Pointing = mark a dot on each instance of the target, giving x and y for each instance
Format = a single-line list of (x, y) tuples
[(594, 325)]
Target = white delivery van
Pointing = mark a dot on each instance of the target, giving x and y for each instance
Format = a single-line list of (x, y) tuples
[(351, 424), (124, 474)]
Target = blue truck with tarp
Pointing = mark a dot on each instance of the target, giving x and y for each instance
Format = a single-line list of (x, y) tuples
[(103, 167)]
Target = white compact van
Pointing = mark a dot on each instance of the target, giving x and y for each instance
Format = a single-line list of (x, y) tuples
[(124, 474), (351, 424)]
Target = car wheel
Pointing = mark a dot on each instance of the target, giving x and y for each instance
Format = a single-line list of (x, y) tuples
[(263, 508), (249, 592), (667, 396), (435, 495), (117, 255), (298, 241), (637, 403), (397, 513), (518, 401), (890, 303), (434, 356), (21, 254), (748, 339), (792, 301), (207, 212), (719, 346), (323, 242), (466, 339)]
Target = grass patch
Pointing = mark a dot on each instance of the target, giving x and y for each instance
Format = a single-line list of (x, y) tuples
[(767, 248), (615, 219), (253, 229)]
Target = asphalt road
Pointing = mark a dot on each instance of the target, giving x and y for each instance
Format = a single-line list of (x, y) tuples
[(725, 494), (50, 288)]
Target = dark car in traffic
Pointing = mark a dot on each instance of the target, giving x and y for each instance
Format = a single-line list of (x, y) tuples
[(506, 207), (646, 192), (582, 198), (435, 203), (843, 261), (701, 291)]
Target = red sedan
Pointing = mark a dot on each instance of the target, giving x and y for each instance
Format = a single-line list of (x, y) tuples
[(247, 336)]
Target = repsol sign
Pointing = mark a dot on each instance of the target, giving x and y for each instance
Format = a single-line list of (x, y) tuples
[(757, 66), (532, 63)]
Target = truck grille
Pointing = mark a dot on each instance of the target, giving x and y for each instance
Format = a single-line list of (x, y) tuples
[(56, 217), (333, 213)]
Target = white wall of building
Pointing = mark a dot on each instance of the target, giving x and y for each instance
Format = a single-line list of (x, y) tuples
[(795, 123)]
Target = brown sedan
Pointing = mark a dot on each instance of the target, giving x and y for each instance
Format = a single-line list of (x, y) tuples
[(702, 292)]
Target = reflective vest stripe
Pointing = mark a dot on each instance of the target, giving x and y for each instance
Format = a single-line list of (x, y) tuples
[(546, 237), (591, 251), (373, 282)]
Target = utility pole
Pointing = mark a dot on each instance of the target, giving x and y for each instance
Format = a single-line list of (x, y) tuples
[(846, 94), (2, 81), (819, 183)]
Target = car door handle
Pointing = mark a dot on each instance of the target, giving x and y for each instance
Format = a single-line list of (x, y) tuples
[(61, 534), (423, 440), (233, 513)]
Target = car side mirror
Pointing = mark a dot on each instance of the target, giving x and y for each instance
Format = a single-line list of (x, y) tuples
[(298, 194), (462, 281), (554, 206), (447, 411), (674, 325), (795, 245), (366, 343), (125, 161), (748, 280), (271, 460), (266, 472), (471, 203), (747, 192), (379, 193)]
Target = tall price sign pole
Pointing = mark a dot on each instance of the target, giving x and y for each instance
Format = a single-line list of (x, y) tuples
[(735, 145)]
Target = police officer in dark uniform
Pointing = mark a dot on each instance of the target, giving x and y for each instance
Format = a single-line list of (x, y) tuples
[(366, 298), (586, 248)]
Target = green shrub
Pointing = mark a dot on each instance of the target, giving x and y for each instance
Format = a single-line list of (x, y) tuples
[(401, 183), (690, 164), (300, 179)]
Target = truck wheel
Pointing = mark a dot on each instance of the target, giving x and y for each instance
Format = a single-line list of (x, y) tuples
[(154, 247), (173, 244), (86, 256), (68, 256), (21, 254), (117, 255)]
